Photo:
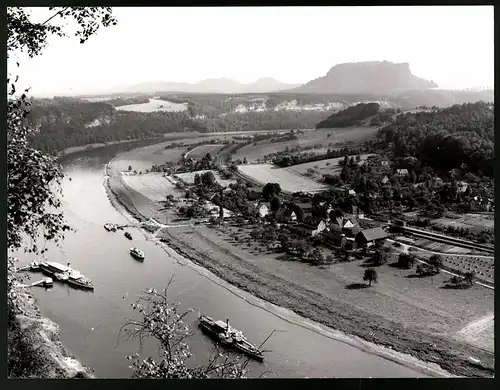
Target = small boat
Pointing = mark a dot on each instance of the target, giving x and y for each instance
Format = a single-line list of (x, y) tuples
[(128, 235), (137, 253), (229, 337), (46, 282), (110, 227)]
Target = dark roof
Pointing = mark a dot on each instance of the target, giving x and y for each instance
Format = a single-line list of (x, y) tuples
[(284, 212), (305, 206), (373, 234)]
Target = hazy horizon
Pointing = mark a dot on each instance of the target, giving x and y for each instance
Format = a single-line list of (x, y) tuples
[(452, 45)]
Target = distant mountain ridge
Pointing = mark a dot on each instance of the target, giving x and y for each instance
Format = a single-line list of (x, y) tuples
[(373, 77), (217, 85)]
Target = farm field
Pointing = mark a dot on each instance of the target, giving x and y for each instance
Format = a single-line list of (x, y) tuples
[(188, 177), (289, 181), (461, 260), (152, 185), (322, 167), (202, 150), (154, 105), (314, 137), (476, 222)]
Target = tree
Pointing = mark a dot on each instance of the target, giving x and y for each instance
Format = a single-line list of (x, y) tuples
[(33, 178), (208, 179), (469, 277), (130, 167), (379, 257), (275, 204), (164, 322), (316, 256), (329, 260), (370, 276), (406, 260), (270, 190), (436, 261)]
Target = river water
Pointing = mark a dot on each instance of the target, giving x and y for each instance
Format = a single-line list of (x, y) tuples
[(90, 321)]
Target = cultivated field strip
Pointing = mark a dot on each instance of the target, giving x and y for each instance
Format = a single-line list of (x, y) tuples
[(288, 181), (202, 150), (152, 185)]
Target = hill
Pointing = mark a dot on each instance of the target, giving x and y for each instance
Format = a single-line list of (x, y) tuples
[(218, 85), (373, 77)]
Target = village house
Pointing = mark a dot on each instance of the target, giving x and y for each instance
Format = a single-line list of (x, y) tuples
[(285, 215), (462, 186), (263, 208), (402, 172), (311, 229), (385, 180), (384, 163), (369, 237), (438, 182), (333, 239)]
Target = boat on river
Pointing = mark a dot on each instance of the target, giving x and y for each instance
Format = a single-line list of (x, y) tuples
[(66, 274), (229, 337), (137, 253), (128, 235), (110, 227)]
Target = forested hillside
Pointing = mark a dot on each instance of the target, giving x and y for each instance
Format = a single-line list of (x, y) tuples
[(65, 122), (461, 136), (351, 116)]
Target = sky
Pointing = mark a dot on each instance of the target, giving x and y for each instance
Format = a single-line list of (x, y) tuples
[(451, 45)]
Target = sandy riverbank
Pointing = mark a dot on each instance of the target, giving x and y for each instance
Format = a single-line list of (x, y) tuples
[(373, 319)]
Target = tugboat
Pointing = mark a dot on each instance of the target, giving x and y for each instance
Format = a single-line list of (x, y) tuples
[(137, 253), (128, 235), (229, 337)]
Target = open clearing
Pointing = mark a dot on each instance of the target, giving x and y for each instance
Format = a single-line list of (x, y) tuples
[(188, 177), (154, 105), (153, 185), (202, 150), (309, 138), (288, 181), (322, 167)]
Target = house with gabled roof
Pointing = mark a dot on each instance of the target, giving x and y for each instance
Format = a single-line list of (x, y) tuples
[(368, 237)]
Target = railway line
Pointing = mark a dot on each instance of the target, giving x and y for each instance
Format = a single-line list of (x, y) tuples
[(444, 239)]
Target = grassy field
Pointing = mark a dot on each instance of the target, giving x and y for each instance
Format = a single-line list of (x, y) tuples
[(201, 151), (153, 185), (289, 181), (322, 167), (154, 105), (315, 137)]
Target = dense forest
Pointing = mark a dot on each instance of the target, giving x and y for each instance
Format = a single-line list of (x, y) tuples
[(458, 137), (64, 123), (351, 116), (67, 122)]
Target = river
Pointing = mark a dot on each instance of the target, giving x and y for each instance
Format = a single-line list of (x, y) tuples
[(90, 321)]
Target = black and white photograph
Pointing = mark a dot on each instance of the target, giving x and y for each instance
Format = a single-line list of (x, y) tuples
[(247, 192)]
